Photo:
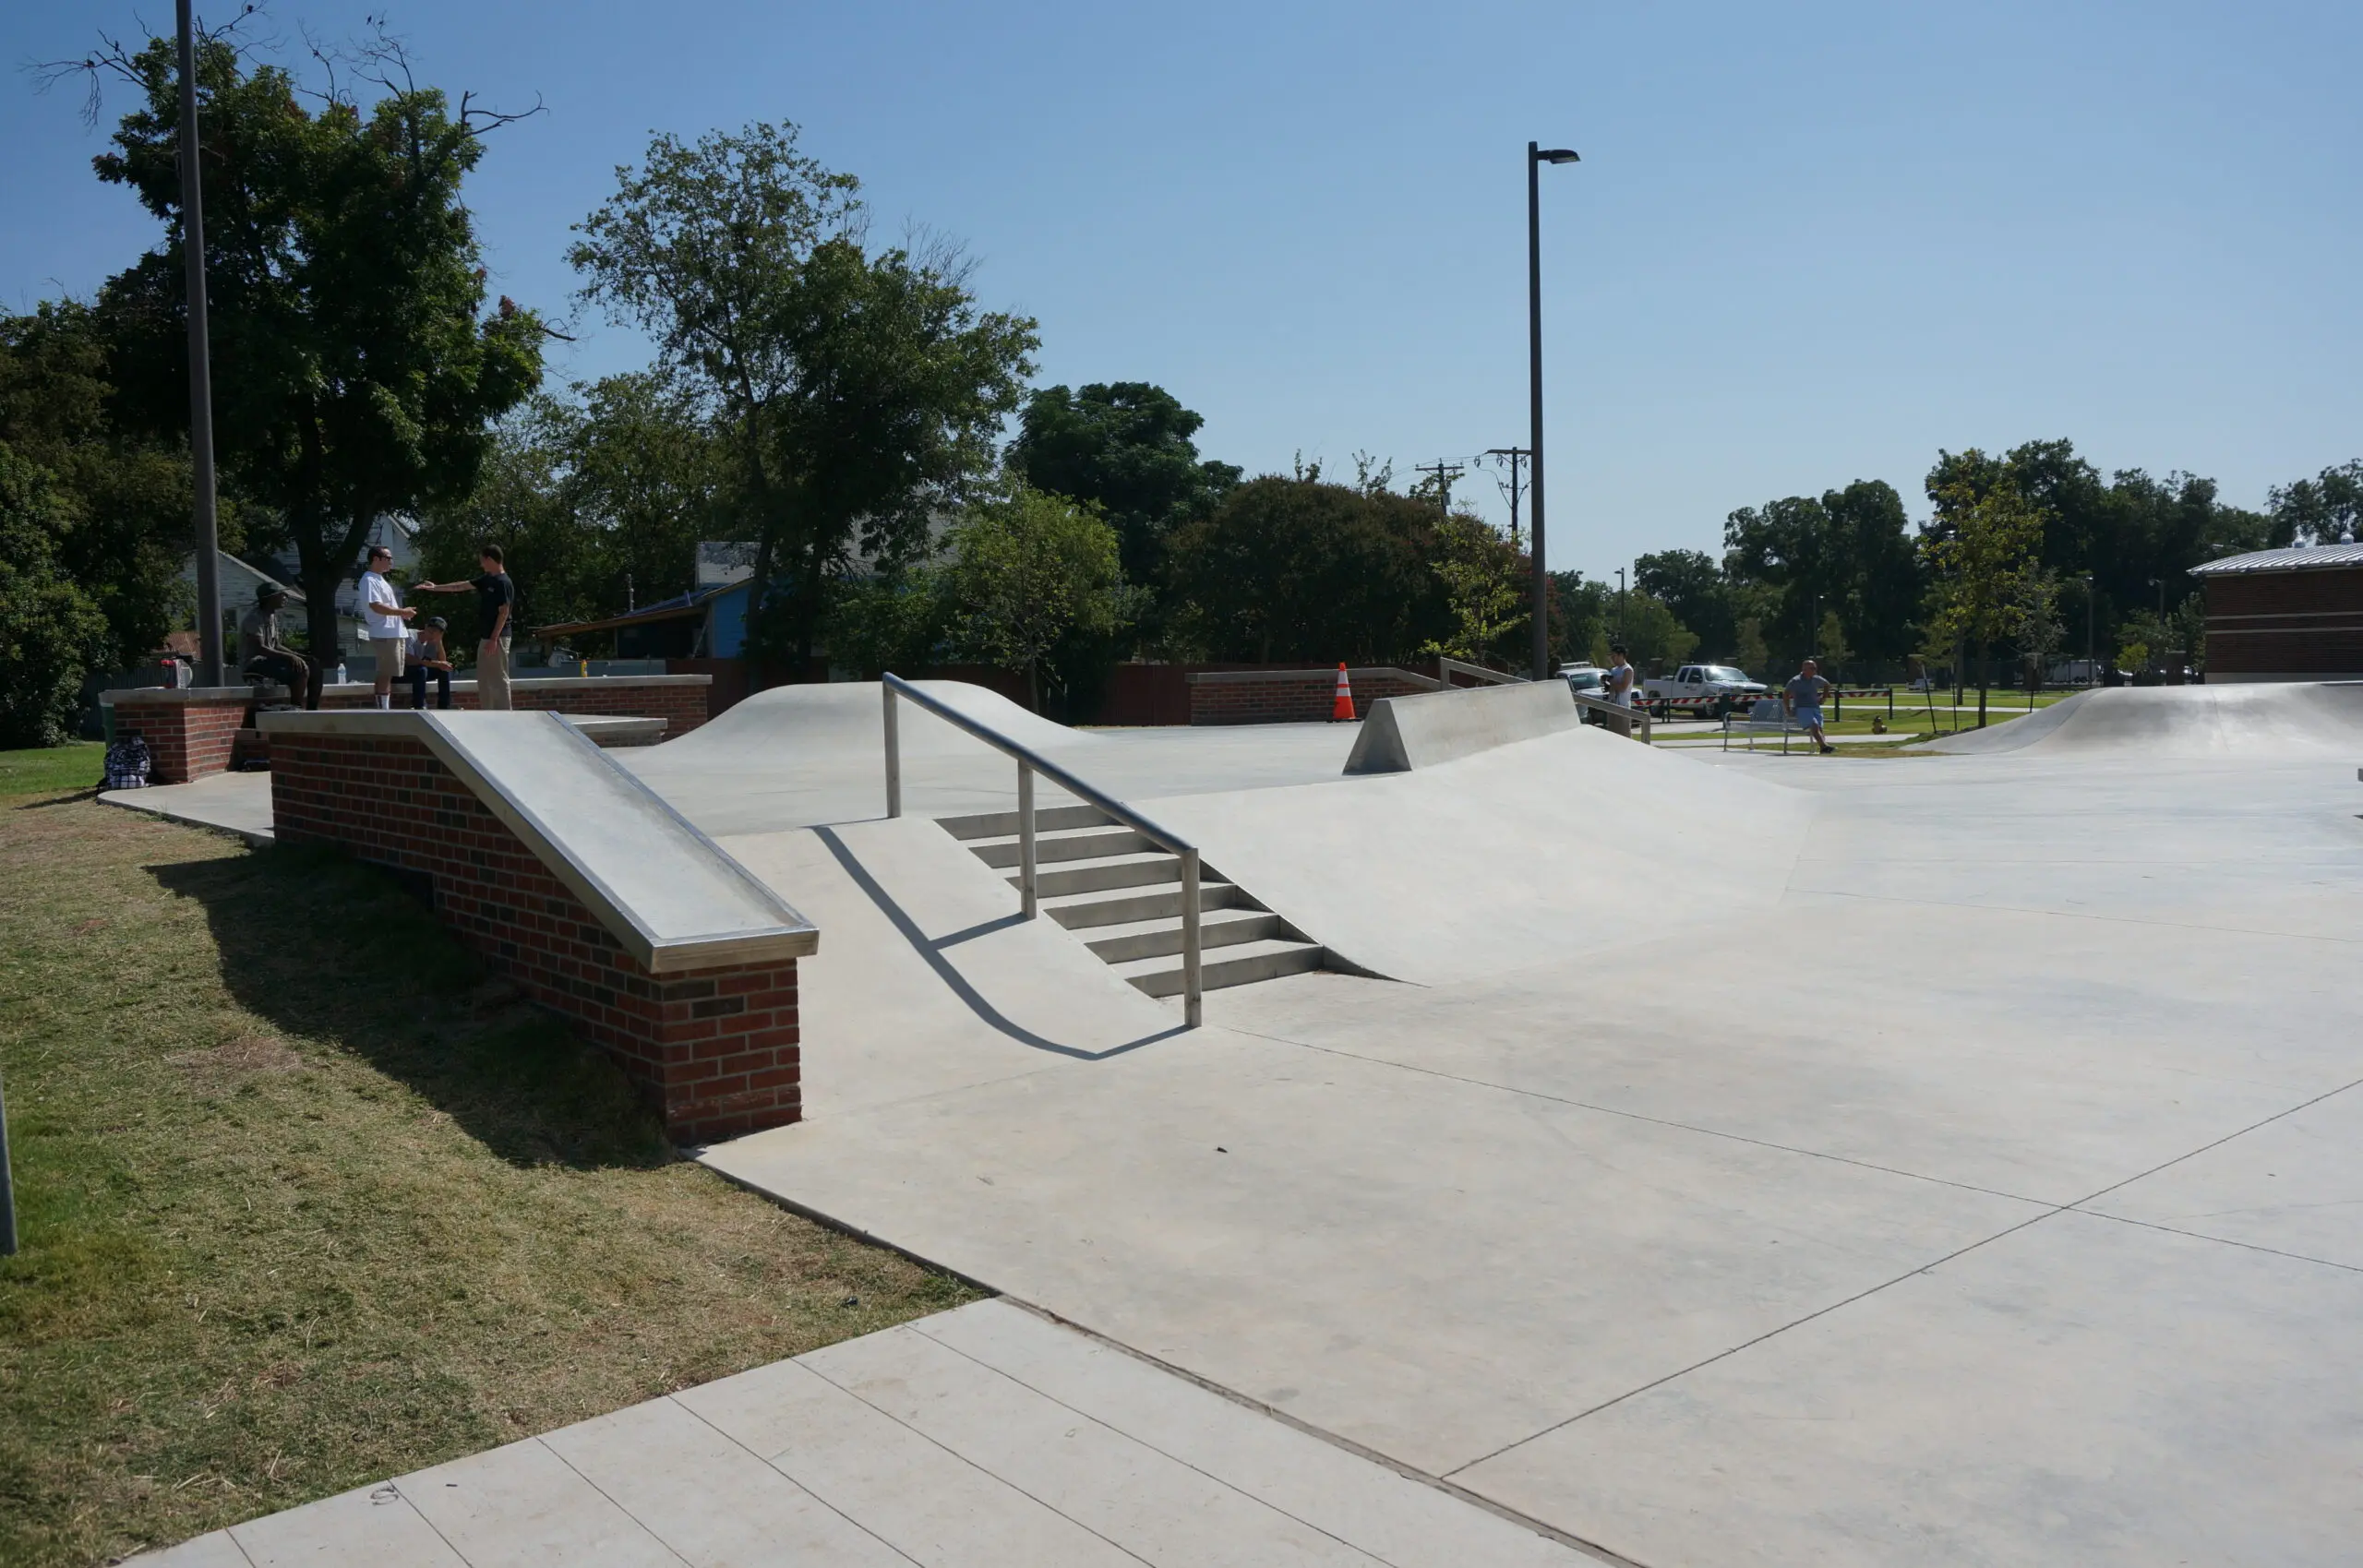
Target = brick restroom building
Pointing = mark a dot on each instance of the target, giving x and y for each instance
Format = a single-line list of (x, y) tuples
[(2284, 615)]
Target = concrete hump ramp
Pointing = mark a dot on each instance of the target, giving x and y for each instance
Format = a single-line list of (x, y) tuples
[(1566, 846), (847, 719), (1403, 733), (2297, 720)]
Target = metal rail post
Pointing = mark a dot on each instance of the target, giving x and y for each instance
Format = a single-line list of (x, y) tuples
[(7, 1187), (1194, 998), (894, 756), (1025, 839)]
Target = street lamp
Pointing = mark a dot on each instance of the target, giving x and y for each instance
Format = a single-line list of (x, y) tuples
[(1537, 156), (2092, 669)]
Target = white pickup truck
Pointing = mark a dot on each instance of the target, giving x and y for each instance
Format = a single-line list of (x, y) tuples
[(1705, 691)]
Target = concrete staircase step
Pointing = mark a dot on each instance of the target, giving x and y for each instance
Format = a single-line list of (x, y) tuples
[(1092, 844), (1090, 912), (1241, 965), (1160, 938), (1004, 824), (1120, 871)]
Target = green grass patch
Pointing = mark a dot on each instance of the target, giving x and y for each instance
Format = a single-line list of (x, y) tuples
[(52, 769), (305, 1203)]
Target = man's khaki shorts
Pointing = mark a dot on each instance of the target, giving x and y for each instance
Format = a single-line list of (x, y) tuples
[(387, 651)]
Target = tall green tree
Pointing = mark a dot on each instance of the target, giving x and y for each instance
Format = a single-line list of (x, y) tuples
[(861, 394), (51, 631), (119, 525), (1847, 550), (1691, 584), (1484, 582), (2320, 510), (357, 369), (1126, 446), (1289, 568), (1029, 569), (2131, 532), (1985, 565)]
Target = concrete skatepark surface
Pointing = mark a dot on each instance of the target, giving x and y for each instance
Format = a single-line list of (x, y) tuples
[(2296, 720), (1928, 1159)]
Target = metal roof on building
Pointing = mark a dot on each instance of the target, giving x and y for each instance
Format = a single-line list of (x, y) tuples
[(2301, 557)]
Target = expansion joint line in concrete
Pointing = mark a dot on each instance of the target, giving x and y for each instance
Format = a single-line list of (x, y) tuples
[(766, 1462), (919, 1328), (956, 1453), (1384, 1461), (1929, 1267), (616, 1502)]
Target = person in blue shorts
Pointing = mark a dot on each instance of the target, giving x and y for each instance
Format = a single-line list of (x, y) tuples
[(1803, 697)]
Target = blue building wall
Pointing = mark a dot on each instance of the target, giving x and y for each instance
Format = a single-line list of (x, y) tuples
[(726, 621)]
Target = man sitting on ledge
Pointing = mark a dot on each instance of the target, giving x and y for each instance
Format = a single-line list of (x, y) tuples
[(261, 651)]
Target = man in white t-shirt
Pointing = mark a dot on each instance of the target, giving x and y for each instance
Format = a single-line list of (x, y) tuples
[(382, 615)]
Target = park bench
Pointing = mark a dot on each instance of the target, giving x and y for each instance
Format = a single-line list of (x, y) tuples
[(1765, 714)]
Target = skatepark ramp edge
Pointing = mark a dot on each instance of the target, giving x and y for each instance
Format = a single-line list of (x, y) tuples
[(2293, 720), (1404, 733), (665, 890)]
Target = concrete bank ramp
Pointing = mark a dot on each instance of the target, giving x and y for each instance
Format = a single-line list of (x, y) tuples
[(2295, 721), (1403, 733), (1574, 845), (665, 890)]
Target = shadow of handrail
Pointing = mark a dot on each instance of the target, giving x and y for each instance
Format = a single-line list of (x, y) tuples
[(930, 950)]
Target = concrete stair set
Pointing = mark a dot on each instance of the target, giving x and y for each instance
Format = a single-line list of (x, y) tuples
[(1123, 894)]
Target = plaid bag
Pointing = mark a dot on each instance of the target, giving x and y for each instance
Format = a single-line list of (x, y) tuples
[(126, 764)]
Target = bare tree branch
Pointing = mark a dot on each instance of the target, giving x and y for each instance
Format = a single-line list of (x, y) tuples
[(114, 58)]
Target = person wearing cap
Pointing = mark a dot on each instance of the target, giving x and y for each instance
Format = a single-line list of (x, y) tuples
[(261, 652), (424, 653), (382, 615)]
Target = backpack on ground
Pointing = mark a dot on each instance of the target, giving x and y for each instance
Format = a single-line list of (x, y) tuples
[(126, 765)]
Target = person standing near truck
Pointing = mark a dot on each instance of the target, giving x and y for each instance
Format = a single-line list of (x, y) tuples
[(1803, 697), (1616, 685), (495, 620)]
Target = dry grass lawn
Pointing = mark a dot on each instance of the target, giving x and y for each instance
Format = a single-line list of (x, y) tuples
[(305, 1204)]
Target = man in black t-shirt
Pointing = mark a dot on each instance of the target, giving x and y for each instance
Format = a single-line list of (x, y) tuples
[(495, 621)]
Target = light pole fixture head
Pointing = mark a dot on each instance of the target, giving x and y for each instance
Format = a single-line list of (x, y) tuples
[(1557, 155)]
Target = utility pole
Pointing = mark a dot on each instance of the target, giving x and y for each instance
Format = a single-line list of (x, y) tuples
[(1535, 157), (1620, 604), (208, 542), (1515, 455), (1446, 474)]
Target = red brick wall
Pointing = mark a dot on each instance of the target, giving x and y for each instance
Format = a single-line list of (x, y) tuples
[(1288, 696), (681, 706), (186, 740), (715, 1051), (2286, 623)]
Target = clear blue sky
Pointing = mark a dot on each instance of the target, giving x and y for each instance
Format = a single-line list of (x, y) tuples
[(1809, 243)]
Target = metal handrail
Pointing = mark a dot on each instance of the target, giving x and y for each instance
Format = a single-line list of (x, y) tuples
[(1447, 667), (1640, 715), (1030, 762)]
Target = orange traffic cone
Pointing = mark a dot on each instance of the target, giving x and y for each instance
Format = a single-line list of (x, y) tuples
[(1342, 705)]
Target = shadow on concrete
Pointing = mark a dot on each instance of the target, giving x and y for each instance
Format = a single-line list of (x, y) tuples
[(337, 952), (932, 949)]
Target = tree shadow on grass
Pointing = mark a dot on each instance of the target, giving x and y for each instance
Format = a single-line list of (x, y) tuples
[(340, 955)]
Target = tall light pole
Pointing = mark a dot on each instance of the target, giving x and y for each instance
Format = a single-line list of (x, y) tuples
[(1537, 156), (2091, 670), (200, 376)]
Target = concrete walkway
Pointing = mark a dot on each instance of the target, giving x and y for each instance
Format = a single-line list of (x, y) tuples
[(984, 1438), (231, 803)]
